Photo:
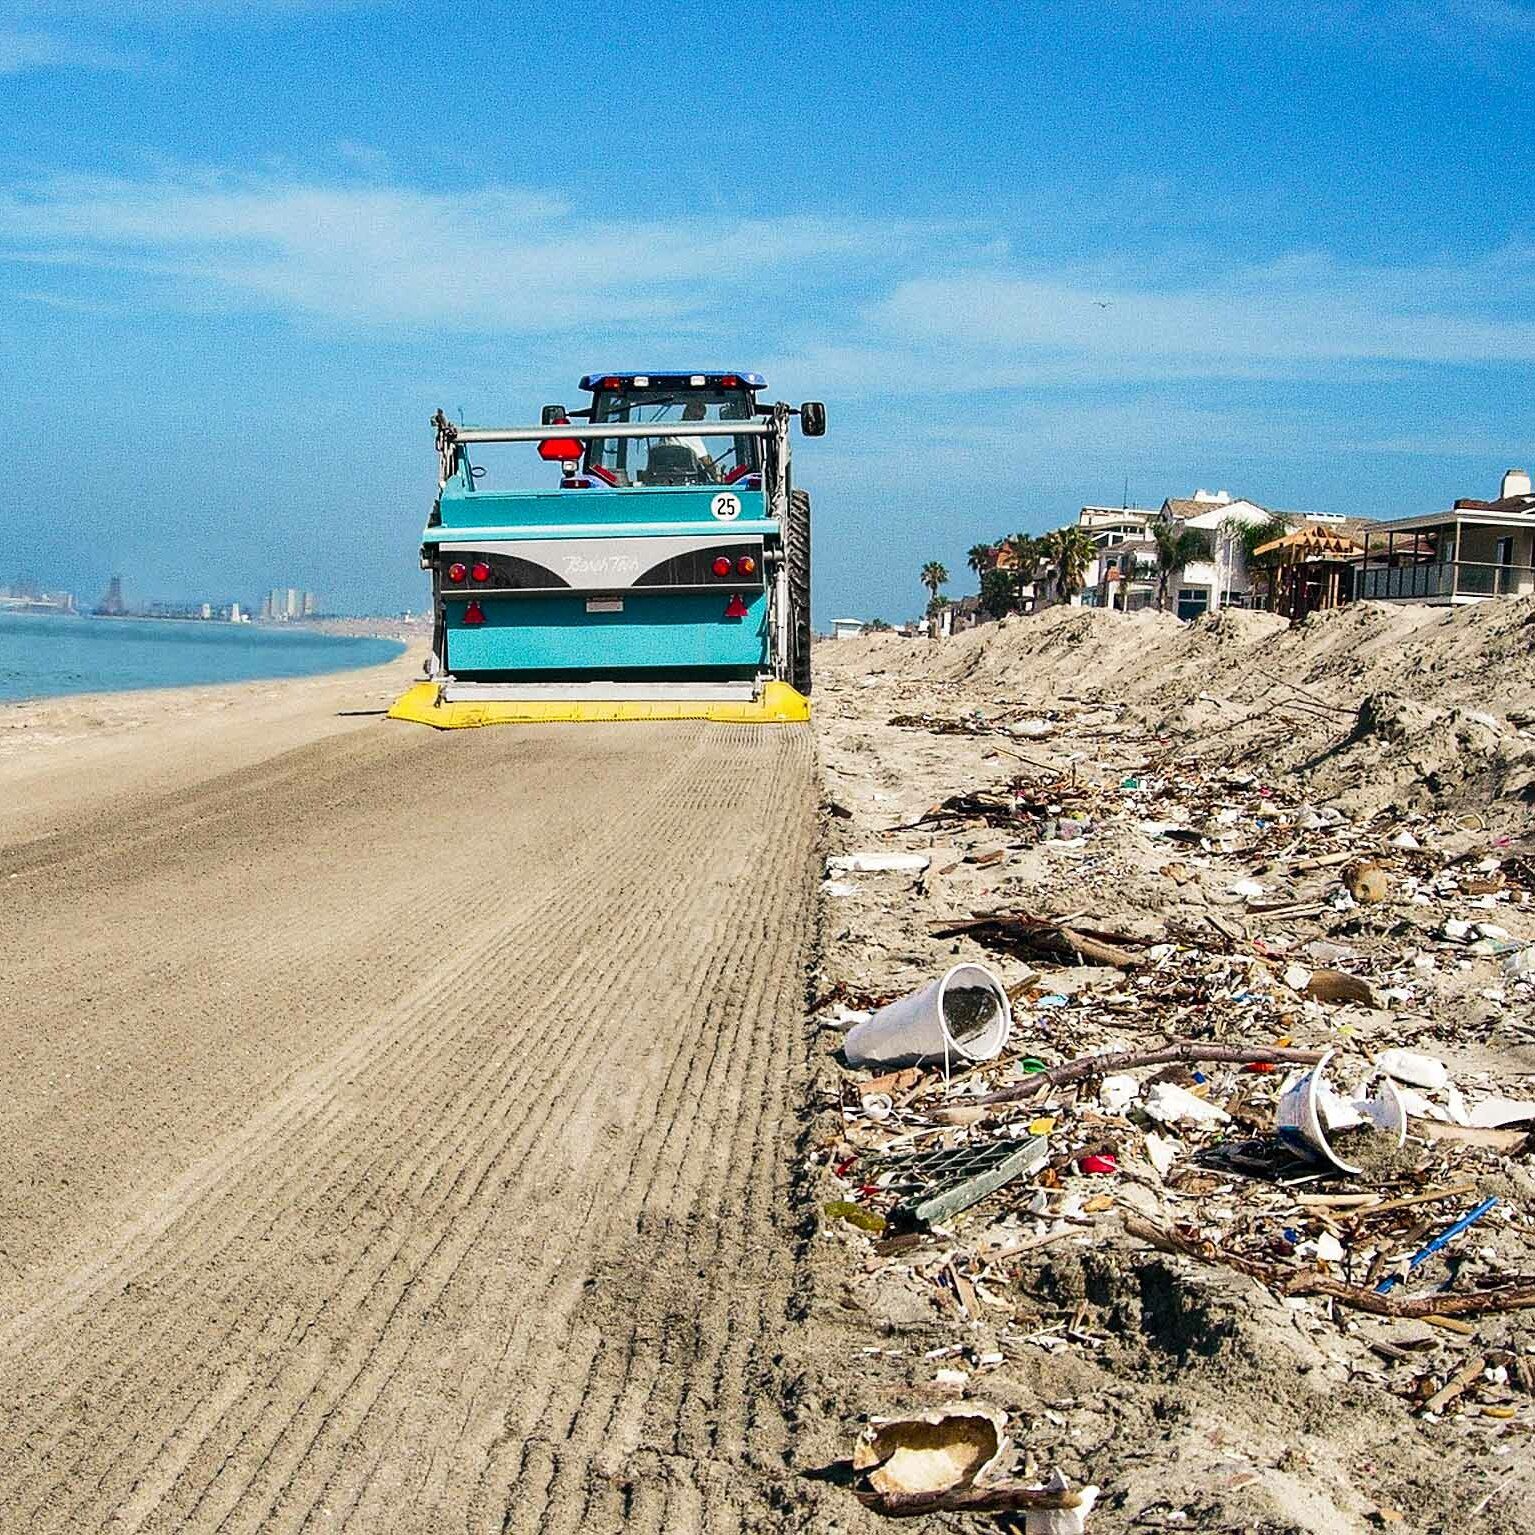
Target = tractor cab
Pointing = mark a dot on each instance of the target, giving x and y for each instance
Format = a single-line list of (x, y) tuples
[(677, 405)]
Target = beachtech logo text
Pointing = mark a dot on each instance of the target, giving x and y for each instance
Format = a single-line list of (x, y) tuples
[(578, 566)]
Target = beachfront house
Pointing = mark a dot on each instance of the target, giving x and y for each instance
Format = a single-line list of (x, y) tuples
[(1476, 550), (1222, 581), (846, 628), (1118, 573)]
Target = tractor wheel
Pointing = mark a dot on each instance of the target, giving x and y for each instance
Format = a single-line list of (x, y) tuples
[(797, 555)]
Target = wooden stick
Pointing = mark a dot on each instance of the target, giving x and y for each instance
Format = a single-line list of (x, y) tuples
[(1456, 1384), (990, 1498), (1304, 1282), (1128, 1060), (1426, 1197)]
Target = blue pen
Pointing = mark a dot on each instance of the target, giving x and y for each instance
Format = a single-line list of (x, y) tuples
[(1443, 1239)]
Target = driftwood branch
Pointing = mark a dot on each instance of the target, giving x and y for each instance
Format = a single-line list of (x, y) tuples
[(988, 1498), (1303, 1282), (1190, 1051)]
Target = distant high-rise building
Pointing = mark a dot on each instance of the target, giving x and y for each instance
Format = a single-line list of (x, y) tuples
[(311, 604), (111, 604)]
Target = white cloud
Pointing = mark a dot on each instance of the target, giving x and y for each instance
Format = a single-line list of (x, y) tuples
[(1247, 320), (366, 252)]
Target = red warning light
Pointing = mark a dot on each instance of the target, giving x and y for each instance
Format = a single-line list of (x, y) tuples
[(480, 571), (746, 566), (455, 571), (721, 565)]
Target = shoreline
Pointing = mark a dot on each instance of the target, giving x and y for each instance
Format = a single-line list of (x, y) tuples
[(406, 637), (61, 751)]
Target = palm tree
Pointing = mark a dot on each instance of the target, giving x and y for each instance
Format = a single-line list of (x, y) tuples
[(1069, 551), (1176, 547), (1023, 563), (933, 576), (1252, 536), (982, 557)]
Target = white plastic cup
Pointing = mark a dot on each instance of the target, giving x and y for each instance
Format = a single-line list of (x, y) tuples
[(918, 1028), (1300, 1121)]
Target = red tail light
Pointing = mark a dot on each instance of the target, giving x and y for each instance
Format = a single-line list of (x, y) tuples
[(746, 566), (456, 572), (721, 566), (474, 615), (558, 450), (736, 607), (480, 571), (730, 381)]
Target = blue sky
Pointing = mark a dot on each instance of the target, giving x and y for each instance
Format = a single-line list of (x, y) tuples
[(1027, 255)]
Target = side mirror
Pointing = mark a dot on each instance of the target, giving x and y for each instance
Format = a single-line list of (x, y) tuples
[(812, 418), (553, 414)]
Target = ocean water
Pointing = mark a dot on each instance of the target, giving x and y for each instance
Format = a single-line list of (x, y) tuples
[(41, 656)]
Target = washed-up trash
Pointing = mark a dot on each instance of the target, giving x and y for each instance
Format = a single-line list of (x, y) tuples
[(838, 887), (938, 1185), (1118, 1092), (1171, 1105), (1161, 1152), (963, 1015), (878, 863), (1409, 1066), (1445, 1237), (1344, 1132), (1340, 986), (1366, 882), (933, 1451), (1495, 1113), (1070, 1518), (855, 1215)]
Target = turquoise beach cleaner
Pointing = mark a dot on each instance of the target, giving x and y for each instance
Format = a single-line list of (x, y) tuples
[(667, 576)]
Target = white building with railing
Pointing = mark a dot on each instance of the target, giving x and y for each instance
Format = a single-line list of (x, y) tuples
[(1476, 550)]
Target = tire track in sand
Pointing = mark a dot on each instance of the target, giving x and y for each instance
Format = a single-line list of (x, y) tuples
[(448, 1242)]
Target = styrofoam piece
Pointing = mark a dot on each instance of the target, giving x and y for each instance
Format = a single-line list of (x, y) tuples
[(1409, 1066), (1309, 1111), (1494, 1113), (1061, 1521), (1162, 1151), (1117, 1093), (1171, 1104), (879, 863), (926, 1024)]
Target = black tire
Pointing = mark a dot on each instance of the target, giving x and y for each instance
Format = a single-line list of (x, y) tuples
[(797, 557)]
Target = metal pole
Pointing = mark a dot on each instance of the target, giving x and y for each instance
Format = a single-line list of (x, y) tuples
[(614, 429)]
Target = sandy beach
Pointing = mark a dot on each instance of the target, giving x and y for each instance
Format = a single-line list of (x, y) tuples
[(396, 1128), (416, 1130)]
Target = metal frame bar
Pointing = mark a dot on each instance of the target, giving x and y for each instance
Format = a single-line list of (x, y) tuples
[(467, 434)]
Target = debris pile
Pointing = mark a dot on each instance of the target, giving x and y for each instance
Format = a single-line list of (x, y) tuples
[(1268, 1054)]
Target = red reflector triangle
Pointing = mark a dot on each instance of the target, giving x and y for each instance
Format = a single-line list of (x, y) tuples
[(474, 614), (736, 607)]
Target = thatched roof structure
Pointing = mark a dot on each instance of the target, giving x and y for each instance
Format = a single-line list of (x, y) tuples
[(1312, 543)]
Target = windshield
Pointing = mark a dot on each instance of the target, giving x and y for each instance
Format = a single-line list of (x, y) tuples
[(676, 455)]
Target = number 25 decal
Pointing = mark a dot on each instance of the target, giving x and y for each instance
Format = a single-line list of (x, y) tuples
[(726, 507)]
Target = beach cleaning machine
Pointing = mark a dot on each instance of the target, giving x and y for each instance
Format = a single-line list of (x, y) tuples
[(667, 577)]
